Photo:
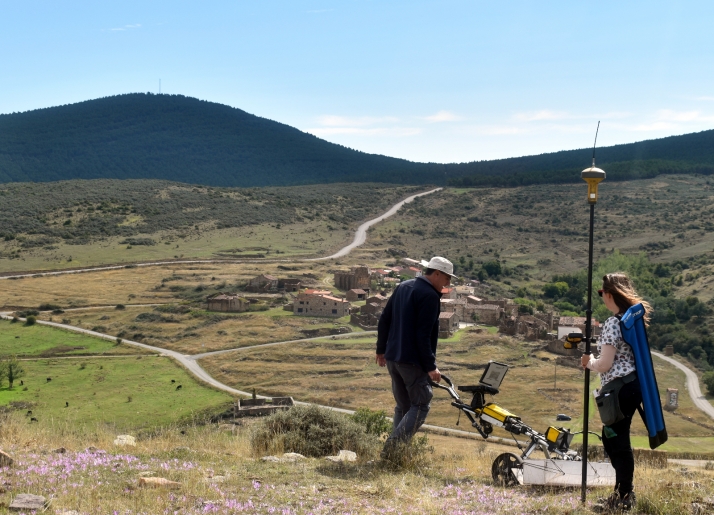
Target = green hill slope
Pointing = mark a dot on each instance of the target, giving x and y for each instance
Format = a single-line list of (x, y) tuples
[(689, 153), (145, 136)]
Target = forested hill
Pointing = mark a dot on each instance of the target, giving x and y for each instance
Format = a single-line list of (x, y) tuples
[(689, 153), (172, 137), (181, 139)]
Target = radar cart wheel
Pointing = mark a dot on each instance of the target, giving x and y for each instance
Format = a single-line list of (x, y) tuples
[(502, 470)]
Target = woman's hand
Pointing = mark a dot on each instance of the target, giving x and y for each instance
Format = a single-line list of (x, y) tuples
[(584, 360)]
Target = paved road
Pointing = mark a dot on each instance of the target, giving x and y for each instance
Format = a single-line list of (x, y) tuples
[(692, 385), (361, 234)]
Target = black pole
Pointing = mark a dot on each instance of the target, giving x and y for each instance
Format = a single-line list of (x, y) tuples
[(588, 332)]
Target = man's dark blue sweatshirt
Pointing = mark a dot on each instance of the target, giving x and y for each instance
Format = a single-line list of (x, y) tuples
[(409, 326)]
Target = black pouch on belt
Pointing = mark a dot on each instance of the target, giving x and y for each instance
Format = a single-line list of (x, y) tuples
[(608, 401)]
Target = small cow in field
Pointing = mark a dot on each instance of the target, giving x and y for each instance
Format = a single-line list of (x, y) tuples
[(179, 387), (173, 381), (66, 404), (33, 419), (29, 412), (49, 379)]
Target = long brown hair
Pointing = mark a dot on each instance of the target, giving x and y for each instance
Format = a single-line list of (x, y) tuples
[(623, 293)]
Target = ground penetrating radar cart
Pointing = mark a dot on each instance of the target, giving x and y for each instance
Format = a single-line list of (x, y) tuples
[(561, 465)]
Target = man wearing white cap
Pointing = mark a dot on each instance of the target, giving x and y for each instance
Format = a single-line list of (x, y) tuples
[(406, 344)]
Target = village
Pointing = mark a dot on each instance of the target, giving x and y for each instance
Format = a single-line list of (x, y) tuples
[(362, 293)]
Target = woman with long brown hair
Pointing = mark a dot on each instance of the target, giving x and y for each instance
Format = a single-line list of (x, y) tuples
[(617, 368)]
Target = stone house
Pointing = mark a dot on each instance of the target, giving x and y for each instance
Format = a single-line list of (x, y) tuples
[(488, 314), (448, 324), (410, 271), (357, 277), (289, 285), (227, 302), (263, 283), (448, 293), (356, 294), (574, 325), (378, 299), (320, 306), (472, 299), (464, 291), (458, 306)]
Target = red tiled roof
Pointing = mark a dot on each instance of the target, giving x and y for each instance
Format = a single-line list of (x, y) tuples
[(329, 297)]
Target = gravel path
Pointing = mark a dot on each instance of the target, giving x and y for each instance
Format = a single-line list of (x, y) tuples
[(695, 391)]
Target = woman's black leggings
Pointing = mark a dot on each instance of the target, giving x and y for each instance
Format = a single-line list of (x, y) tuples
[(617, 445)]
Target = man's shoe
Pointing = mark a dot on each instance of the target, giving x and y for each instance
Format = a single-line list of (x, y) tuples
[(628, 502)]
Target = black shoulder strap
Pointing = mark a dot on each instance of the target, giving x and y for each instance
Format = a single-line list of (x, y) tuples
[(642, 414)]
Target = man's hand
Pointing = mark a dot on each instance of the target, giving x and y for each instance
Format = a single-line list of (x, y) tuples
[(380, 360), (435, 375)]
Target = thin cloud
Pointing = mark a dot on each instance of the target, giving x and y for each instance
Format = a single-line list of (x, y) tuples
[(544, 114), (331, 120), (125, 27), (443, 116), (362, 131), (678, 116)]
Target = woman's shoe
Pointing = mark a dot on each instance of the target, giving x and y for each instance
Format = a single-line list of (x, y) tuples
[(608, 504)]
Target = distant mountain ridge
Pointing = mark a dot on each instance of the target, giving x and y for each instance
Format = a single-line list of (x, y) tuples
[(178, 138), (688, 153)]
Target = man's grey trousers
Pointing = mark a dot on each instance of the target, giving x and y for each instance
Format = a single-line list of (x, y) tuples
[(412, 392)]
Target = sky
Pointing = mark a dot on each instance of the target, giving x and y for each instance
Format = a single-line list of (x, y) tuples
[(432, 81)]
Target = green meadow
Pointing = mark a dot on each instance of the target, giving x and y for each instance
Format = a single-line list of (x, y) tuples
[(124, 393), (42, 341)]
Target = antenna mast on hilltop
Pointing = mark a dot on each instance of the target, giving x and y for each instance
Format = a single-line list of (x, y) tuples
[(594, 144)]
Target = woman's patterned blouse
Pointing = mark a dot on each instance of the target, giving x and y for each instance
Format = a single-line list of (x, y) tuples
[(624, 362)]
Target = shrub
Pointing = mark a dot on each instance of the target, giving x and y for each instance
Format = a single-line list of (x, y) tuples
[(312, 431), (708, 380), (412, 455), (120, 306), (375, 422), (49, 307), (30, 320)]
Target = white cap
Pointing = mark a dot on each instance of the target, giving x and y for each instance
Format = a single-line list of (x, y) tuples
[(441, 264)]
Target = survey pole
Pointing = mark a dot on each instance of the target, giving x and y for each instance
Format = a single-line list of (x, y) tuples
[(593, 176)]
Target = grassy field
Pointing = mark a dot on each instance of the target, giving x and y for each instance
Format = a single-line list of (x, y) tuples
[(297, 240), (198, 331), (147, 285), (343, 373), (130, 393), (43, 341), (219, 473)]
